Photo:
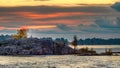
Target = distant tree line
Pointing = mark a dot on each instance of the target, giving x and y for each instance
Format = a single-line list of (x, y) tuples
[(5, 37), (99, 41), (88, 41)]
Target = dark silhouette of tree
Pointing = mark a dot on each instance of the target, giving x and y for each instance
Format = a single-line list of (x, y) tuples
[(59, 47), (0, 44), (43, 49), (75, 43)]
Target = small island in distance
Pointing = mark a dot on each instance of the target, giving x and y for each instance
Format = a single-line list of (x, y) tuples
[(20, 44)]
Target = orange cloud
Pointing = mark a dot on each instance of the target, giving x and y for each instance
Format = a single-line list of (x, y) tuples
[(53, 15), (39, 27), (55, 22), (63, 21), (12, 28), (30, 27), (1, 28)]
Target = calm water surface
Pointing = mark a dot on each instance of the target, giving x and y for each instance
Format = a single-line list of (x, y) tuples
[(101, 48), (62, 61)]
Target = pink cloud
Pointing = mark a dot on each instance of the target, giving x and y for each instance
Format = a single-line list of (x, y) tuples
[(29, 19), (1, 28), (52, 15), (30, 27), (62, 21)]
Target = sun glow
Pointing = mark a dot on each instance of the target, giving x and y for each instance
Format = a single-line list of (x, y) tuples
[(40, 27), (30, 27), (53, 2)]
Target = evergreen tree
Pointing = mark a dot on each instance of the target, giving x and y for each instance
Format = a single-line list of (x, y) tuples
[(74, 43)]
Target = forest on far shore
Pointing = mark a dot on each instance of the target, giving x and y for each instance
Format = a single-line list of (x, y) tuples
[(87, 41)]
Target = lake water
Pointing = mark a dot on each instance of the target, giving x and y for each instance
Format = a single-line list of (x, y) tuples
[(61, 61), (101, 48), (64, 61)]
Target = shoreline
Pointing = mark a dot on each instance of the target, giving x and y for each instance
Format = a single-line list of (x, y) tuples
[(56, 55)]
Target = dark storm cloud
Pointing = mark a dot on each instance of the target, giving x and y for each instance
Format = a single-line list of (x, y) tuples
[(12, 17), (93, 28), (105, 23), (10, 12), (102, 26), (63, 27), (55, 9), (108, 23), (118, 21), (13, 24), (116, 6)]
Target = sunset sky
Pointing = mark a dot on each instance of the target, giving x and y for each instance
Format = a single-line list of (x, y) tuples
[(85, 18), (52, 2)]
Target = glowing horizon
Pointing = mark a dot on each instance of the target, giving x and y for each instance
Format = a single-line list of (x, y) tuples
[(53, 2), (30, 27)]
